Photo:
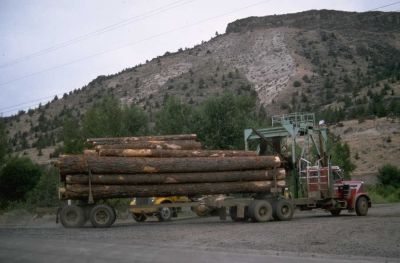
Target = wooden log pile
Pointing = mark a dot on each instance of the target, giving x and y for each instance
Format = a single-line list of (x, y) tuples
[(164, 166)]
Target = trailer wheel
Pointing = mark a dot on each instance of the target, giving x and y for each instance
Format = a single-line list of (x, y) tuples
[(139, 217), (282, 210), (233, 214), (115, 215), (260, 210), (362, 206), (72, 216), (102, 216), (335, 212), (164, 214)]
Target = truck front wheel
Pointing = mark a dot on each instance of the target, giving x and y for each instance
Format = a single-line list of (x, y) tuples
[(362, 206)]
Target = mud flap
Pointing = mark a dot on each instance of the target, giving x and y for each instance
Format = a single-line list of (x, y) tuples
[(58, 214)]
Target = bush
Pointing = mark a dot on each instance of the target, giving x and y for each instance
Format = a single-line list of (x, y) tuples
[(341, 156), (220, 121), (45, 192), (296, 83), (173, 118), (306, 79), (17, 178), (389, 175)]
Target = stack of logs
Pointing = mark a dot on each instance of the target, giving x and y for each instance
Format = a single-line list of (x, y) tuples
[(164, 166)]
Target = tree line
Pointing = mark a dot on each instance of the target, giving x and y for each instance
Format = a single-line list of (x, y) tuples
[(219, 121)]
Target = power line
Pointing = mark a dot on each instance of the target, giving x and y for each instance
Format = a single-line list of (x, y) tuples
[(28, 105), (394, 3), (97, 32), (379, 15), (145, 39), (130, 44), (26, 102)]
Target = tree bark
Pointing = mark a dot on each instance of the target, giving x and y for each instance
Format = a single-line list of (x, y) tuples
[(172, 153), (78, 164), (177, 178), (90, 152), (120, 191), (170, 145), (125, 140)]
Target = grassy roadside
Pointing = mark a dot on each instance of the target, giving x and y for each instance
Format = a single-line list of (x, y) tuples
[(383, 194)]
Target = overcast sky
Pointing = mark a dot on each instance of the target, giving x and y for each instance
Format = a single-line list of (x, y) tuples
[(50, 47)]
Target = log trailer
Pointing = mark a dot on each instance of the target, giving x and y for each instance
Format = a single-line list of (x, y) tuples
[(221, 186)]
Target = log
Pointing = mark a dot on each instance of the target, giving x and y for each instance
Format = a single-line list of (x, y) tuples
[(78, 164), (121, 140), (90, 152), (171, 145), (119, 191), (172, 153), (176, 178)]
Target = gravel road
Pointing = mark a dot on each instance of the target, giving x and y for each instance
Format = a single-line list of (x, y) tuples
[(312, 236)]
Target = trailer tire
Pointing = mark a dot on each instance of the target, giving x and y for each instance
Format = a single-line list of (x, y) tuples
[(102, 216), (260, 210), (115, 215), (233, 214), (282, 210), (72, 216), (139, 217), (362, 206)]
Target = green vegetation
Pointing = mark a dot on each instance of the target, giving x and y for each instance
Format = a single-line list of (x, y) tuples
[(17, 178), (388, 189), (109, 119), (173, 118), (341, 156), (296, 84), (218, 121), (44, 194), (389, 175), (105, 119), (3, 142), (72, 136)]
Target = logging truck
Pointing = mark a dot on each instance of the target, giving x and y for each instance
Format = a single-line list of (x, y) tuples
[(315, 182), (250, 184)]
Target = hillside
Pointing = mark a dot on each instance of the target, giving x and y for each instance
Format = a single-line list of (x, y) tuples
[(342, 65)]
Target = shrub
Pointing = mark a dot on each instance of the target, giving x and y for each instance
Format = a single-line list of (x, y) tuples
[(17, 178), (389, 175), (296, 83), (306, 79), (44, 194)]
